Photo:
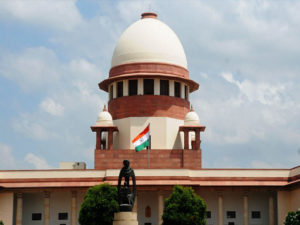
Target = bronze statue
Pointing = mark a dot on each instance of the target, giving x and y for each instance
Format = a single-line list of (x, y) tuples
[(125, 194)]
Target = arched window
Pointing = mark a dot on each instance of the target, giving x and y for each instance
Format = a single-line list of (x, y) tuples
[(164, 87), (148, 86), (132, 87), (148, 211), (110, 92), (177, 89), (120, 89)]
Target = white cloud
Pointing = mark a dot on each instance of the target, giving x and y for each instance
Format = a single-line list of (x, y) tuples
[(56, 14), (7, 160), (52, 107), (33, 127), (32, 69), (262, 92), (228, 76), (37, 162)]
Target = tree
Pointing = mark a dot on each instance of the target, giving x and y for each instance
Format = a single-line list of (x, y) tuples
[(1, 223), (99, 205), (184, 207), (293, 218)]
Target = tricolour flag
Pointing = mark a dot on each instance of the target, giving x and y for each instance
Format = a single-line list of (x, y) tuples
[(142, 140)]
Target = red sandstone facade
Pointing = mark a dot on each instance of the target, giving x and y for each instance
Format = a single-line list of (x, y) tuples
[(148, 106), (159, 159)]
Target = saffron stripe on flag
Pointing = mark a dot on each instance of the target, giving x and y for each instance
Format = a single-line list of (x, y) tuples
[(141, 134), (141, 140)]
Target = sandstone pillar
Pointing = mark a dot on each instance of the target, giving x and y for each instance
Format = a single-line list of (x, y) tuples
[(19, 209), (245, 217), (160, 208), (46, 208), (186, 139), (74, 208), (220, 210)]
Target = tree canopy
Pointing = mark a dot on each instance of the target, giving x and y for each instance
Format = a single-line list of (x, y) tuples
[(184, 207), (99, 205), (293, 218)]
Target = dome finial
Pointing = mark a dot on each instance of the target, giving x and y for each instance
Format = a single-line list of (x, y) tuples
[(149, 15), (104, 108), (191, 110)]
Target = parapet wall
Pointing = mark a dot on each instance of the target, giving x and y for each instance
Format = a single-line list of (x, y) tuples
[(159, 159)]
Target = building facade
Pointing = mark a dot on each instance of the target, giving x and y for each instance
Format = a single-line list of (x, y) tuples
[(149, 83)]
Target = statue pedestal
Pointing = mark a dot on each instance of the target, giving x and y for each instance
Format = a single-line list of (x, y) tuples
[(125, 218)]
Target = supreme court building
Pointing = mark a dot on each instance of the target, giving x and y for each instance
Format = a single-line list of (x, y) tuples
[(149, 82)]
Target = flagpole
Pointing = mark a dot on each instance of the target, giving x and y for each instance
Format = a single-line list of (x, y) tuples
[(148, 148)]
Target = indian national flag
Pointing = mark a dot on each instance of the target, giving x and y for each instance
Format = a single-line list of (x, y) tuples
[(142, 140)]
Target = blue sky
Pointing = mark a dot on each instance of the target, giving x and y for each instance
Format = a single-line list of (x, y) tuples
[(244, 54)]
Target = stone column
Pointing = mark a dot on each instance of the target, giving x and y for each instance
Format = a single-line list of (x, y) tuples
[(46, 208), (140, 87), (220, 210), (114, 90), (245, 210), (98, 139), (171, 87), (197, 139), (156, 87), (125, 87), (74, 208), (160, 208), (19, 208), (182, 90), (110, 139), (187, 92), (186, 139), (271, 210)]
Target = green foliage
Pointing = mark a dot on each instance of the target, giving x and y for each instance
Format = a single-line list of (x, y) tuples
[(99, 205), (184, 207), (1, 223), (293, 218)]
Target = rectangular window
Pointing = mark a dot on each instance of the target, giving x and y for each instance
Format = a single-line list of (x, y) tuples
[(110, 92), (231, 214), (63, 216), (147, 223), (230, 223), (186, 94), (177, 90), (120, 89), (36, 216), (132, 87), (208, 214), (164, 87), (148, 87), (255, 214)]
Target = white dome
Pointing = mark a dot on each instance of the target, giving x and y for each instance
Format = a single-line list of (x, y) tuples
[(191, 119), (149, 40), (104, 119)]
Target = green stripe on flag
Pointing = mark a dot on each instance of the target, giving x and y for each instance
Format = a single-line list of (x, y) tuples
[(142, 146)]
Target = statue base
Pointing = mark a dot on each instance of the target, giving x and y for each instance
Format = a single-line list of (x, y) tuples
[(125, 218)]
